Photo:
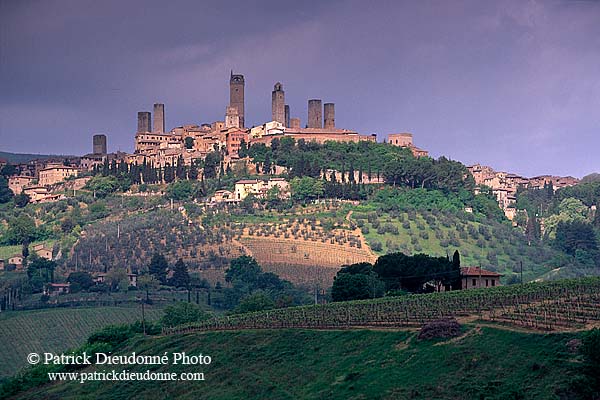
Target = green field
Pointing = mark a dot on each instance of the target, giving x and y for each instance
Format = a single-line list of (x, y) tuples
[(484, 363), (53, 330)]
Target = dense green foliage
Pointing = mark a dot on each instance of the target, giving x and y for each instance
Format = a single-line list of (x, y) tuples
[(569, 221), (357, 160), (356, 282), (6, 194), (250, 287), (411, 273), (80, 281), (158, 267), (181, 277), (183, 313)]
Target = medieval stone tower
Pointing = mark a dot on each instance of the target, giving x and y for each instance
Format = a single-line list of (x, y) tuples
[(278, 103), (99, 144), (315, 114), (159, 118), (144, 121), (329, 115), (287, 116), (236, 96)]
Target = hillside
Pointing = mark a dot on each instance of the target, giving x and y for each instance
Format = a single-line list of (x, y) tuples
[(558, 305), (487, 243), (307, 244), (55, 330), (359, 364), (17, 158)]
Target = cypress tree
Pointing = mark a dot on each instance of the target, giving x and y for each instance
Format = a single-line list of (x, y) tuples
[(180, 278)]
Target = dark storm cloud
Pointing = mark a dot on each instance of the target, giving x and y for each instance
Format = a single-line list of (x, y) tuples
[(502, 83)]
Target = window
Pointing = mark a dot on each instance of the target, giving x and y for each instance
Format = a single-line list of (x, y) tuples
[(486, 283), (474, 282), (493, 282)]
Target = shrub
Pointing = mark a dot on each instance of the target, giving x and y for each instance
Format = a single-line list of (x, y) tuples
[(443, 328), (376, 245), (183, 313)]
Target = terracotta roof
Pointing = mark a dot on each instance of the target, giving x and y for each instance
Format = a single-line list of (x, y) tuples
[(477, 271)]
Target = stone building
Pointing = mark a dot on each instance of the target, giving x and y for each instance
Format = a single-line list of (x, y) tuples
[(55, 173), (42, 251), (319, 135), (41, 194), (17, 261), (259, 188), (18, 182), (476, 277), (234, 139), (232, 119), (406, 140)]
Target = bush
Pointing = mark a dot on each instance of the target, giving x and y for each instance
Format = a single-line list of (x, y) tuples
[(376, 245), (113, 335), (443, 328), (183, 313), (257, 301)]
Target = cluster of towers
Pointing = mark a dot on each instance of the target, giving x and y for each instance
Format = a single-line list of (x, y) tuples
[(146, 123), (319, 115), (280, 111)]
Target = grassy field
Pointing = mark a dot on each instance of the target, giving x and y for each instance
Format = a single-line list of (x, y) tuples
[(54, 330), (361, 364)]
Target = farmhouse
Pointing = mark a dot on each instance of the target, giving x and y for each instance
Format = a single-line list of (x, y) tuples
[(41, 194), (17, 261), (18, 182), (476, 277), (42, 251), (53, 289), (259, 188), (131, 279), (222, 196)]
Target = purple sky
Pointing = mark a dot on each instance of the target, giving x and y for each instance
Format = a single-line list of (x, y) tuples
[(511, 84)]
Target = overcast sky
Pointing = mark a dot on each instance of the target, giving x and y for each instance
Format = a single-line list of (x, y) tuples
[(511, 84)]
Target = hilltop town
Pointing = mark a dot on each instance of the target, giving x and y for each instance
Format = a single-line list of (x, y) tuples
[(43, 180)]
